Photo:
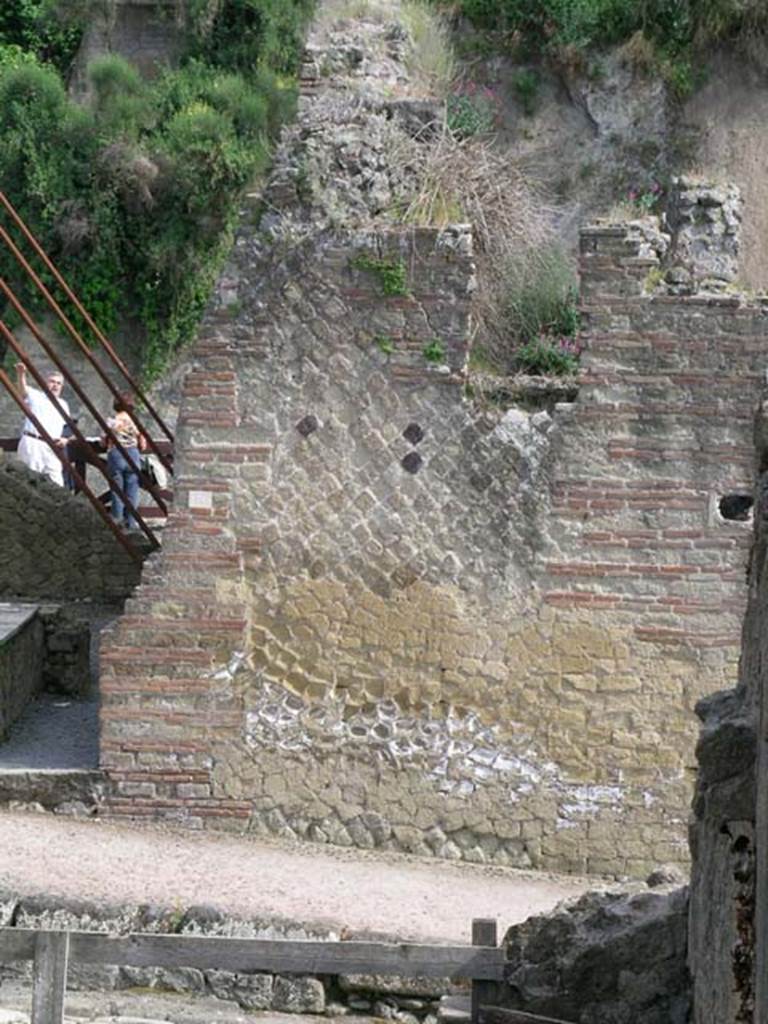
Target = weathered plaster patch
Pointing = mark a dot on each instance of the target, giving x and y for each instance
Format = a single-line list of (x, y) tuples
[(457, 753)]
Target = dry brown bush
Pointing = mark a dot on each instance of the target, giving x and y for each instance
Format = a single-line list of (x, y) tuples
[(473, 181), (132, 172)]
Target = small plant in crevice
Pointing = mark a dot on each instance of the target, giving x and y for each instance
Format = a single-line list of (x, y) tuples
[(653, 279), (384, 344), (549, 356), (472, 109), (48, 30), (434, 351), (392, 275), (526, 85), (646, 200)]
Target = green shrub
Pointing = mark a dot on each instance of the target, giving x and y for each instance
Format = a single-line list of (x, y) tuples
[(472, 110), (549, 357), (136, 195), (541, 296), (122, 102), (526, 86), (113, 76), (243, 33), (13, 56), (50, 30), (676, 28), (31, 96), (434, 351)]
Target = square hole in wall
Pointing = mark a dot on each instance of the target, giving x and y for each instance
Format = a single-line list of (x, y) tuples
[(736, 507), (308, 425), (413, 433), (412, 462)]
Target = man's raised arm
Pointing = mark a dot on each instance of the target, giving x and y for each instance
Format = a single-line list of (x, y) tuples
[(21, 381)]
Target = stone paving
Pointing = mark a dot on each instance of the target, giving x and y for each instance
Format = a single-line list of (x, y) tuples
[(54, 732)]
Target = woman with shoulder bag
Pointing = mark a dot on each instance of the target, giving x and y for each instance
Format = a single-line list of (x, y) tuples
[(125, 472)]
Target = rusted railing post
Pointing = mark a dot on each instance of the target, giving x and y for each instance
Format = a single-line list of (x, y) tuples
[(22, 356), (71, 330), (57, 361), (123, 541), (6, 203)]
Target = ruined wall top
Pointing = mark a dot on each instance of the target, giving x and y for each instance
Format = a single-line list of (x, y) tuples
[(705, 223), (692, 248)]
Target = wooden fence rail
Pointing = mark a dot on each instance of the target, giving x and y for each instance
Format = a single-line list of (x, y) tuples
[(52, 951)]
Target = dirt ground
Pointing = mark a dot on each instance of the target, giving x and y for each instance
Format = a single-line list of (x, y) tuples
[(350, 891)]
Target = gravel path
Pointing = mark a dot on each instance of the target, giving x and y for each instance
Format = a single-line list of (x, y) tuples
[(415, 898)]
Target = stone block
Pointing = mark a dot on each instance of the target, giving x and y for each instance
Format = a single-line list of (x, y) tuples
[(298, 995), (251, 991)]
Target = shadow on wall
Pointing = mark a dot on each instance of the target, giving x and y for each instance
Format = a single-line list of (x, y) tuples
[(55, 546)]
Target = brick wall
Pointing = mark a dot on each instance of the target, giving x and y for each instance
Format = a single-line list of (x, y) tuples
[(385, 618)]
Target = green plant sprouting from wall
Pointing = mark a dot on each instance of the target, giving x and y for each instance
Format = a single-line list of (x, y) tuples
[(548, 356), (526, 85), (136, 195), (434, 351), (392, 275), (472, 109)]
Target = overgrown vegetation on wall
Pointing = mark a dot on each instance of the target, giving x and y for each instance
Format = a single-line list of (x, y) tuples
[(674, 30), (47, 30), (135, 194)]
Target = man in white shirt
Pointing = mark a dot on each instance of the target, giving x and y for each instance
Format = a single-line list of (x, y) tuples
[(33, 450)]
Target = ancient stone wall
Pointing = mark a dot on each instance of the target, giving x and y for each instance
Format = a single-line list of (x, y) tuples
[(613, 956), (55, 546), (21, 661), (728, 922), (385, 618)]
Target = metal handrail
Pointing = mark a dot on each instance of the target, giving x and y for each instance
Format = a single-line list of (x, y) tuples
[(8, 336), (53, 355), (73, 333), (6, 203), (122, 539)]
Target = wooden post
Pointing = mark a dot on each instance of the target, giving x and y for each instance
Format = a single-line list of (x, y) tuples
[(49, 978), (483, 992)]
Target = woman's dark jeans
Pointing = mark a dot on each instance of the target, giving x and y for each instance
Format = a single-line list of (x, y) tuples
[(126, 475)]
